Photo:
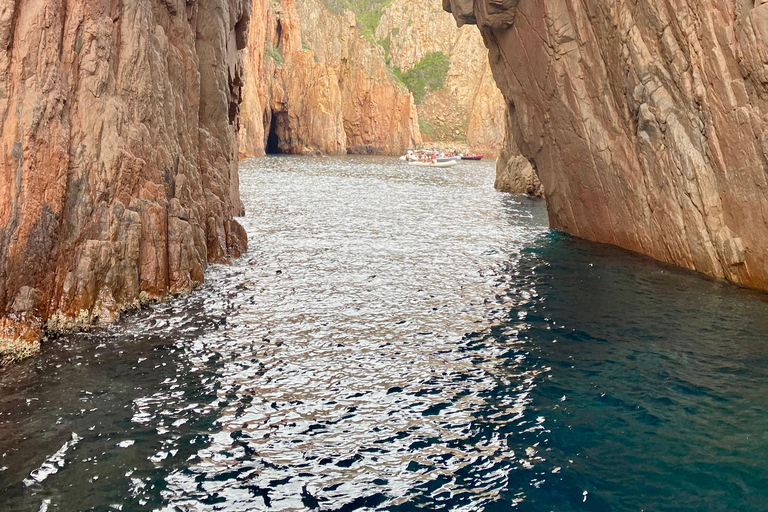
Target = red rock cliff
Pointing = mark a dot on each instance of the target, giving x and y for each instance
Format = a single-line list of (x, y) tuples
[(314, 84), (647, 121), (468, 110), (118, 171)]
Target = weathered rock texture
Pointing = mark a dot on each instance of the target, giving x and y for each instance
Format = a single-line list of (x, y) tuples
[(118, 171), (647, 121), (514, 172), (251, 135), (325, 88), (470, 108)]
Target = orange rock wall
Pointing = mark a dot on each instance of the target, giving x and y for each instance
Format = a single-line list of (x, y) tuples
[(647, 121), (118, 162), (324, 88), (255, 94)]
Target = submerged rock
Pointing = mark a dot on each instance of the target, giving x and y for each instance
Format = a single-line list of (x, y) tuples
[(647, 121), (118, 174)]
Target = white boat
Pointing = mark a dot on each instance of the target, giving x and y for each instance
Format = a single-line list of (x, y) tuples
[(449, 163)]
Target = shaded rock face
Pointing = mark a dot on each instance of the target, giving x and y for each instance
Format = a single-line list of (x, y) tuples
[(514, 172), (118, 172), (253, 108), (325, 88), (647, 121)]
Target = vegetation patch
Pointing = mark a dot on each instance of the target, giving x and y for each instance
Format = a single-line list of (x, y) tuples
[(427, 75), (367, 13), (386, 43), (426, 129), (274, 54)]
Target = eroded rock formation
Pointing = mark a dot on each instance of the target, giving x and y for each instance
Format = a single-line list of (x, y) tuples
[(514, 172), (325, 88), (647, 121), (469, 108), (118, 172)]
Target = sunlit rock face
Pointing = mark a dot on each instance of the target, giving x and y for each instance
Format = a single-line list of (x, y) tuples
[(646, 121), (118, 164), (469, 108), (315, 85)]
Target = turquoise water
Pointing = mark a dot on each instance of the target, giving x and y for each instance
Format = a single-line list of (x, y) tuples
[(402, 339)]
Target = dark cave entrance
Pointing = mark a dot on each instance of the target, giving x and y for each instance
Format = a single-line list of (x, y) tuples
[(279, 32), (273, 139)]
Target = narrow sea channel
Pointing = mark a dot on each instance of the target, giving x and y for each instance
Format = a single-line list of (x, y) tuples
[(402, 339)]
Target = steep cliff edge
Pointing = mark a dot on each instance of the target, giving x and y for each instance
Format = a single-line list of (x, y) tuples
[(647, 121), (118, 174), (468, 107), (323, 87)]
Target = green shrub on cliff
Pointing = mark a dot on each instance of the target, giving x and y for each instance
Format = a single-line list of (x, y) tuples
[(427, 75), (274, 54), (367, 13), (386, 43), (425, 128)]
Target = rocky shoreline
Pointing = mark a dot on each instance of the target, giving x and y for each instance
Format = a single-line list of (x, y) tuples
[(118, 182)]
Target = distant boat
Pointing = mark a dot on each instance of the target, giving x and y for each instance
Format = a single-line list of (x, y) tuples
[(471, 157), (429, 153), (431, 163)]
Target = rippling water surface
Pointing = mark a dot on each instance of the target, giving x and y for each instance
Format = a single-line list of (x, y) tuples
[(402, 339)]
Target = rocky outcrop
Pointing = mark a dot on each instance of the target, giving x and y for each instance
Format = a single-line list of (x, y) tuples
[(469, 108), (515, 174), (118, 172), (417, 28), (326, 89), (647, 121)]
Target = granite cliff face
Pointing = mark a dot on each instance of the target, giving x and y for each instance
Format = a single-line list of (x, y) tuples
[(647, 121), (118, 174), (469, 108), (252, 110), (325, 88)]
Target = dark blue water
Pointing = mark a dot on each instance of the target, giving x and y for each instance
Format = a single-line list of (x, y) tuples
[(401, 339)]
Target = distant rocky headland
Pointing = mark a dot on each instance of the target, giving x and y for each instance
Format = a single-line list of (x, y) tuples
[(354, 76)]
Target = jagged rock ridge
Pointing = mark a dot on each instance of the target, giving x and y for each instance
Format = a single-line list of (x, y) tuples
[(118, 175)]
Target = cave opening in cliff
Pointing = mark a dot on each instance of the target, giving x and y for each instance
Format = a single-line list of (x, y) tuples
[(273, 139)]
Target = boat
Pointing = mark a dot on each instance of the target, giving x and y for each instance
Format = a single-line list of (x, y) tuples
[(431, 154), (471, 157), (432, 163)]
